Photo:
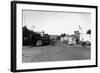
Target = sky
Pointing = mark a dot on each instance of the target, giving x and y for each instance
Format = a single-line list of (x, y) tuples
[(56, 22)]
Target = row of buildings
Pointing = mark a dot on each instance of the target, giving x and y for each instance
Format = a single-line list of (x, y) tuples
[(71, 39), (76, 38)]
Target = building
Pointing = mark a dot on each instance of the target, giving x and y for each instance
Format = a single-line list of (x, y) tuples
[(77, 36), (74, 39)]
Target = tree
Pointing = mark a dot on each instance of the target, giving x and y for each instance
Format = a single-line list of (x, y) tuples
[(63, 35), (88, 32)]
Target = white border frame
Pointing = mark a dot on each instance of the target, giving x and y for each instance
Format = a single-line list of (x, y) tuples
[(21, 66)]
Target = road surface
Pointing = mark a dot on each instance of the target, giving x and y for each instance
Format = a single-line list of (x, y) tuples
[(59, 52)]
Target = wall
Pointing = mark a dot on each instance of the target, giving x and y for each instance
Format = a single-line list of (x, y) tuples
[(5, 36)]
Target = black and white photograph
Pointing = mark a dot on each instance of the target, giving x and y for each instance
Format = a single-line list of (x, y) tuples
[(47, 36), (56, 36)]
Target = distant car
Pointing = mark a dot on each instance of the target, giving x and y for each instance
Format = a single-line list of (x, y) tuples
[(86, 43)]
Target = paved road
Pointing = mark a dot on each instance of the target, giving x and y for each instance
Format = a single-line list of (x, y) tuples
[(60, 52)]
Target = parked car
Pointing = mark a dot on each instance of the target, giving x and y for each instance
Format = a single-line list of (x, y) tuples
[(86, 43)]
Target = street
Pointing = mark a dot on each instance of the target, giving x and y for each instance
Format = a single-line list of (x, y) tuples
[(59, 52)]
